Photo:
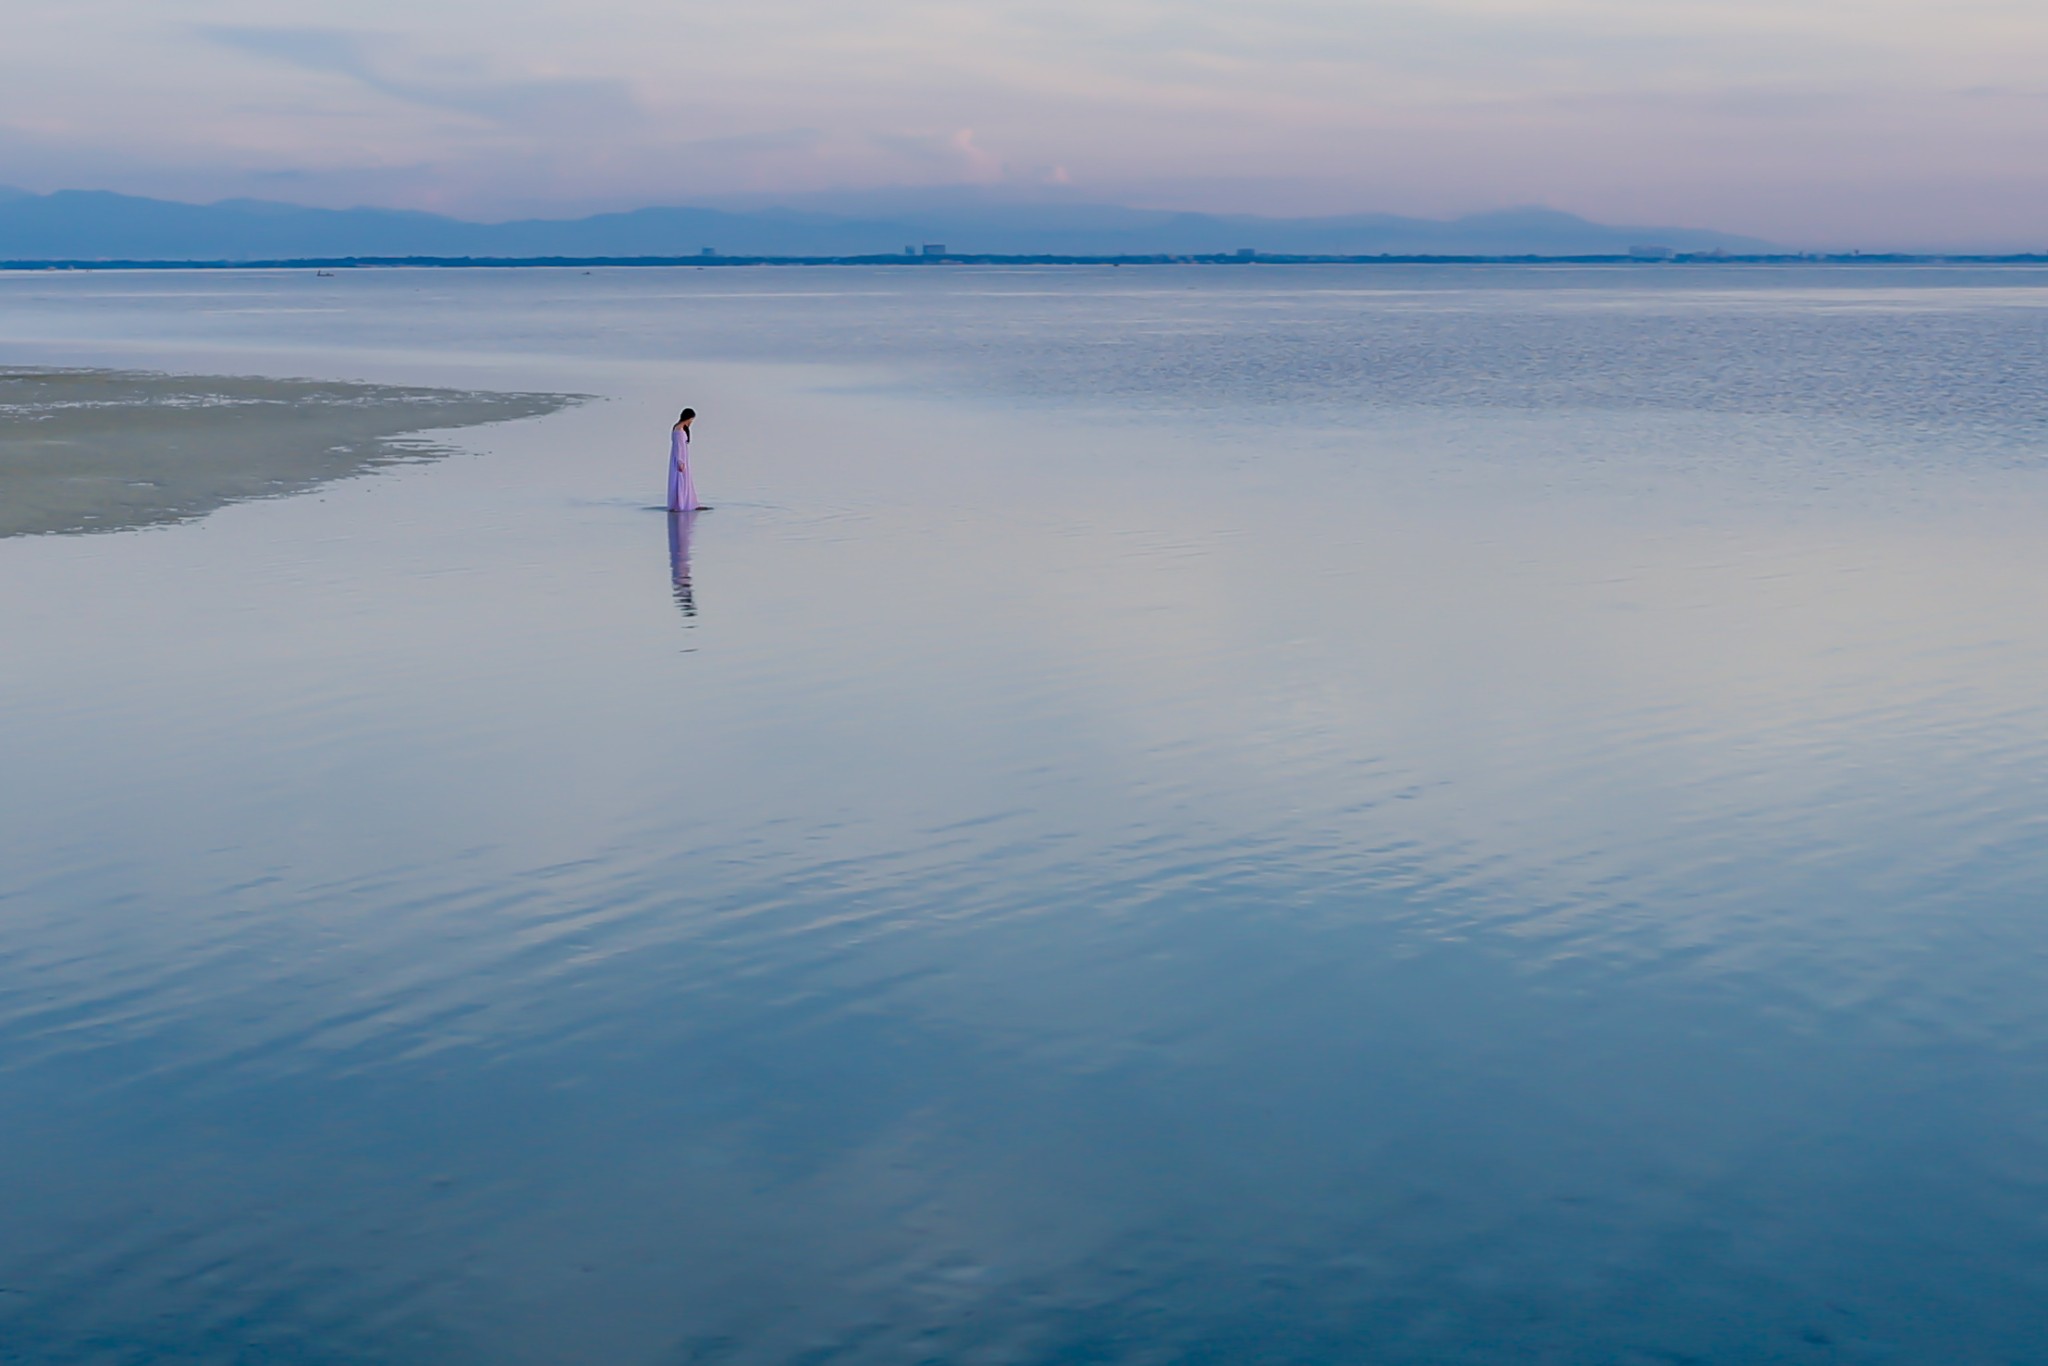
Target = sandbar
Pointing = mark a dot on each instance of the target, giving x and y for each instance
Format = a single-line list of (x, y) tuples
[(107, 450)]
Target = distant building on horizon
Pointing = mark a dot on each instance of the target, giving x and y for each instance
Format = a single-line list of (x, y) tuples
[(935, 249)]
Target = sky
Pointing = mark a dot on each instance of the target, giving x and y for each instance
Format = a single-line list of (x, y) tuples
[(1808, 122)]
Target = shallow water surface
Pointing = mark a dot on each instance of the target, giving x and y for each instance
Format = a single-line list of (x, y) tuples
[(1380, 814)]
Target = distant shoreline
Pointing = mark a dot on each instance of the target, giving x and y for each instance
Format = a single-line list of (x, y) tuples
[(994, 259)]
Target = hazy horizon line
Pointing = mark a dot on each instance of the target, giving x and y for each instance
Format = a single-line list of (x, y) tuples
[(843, 202)]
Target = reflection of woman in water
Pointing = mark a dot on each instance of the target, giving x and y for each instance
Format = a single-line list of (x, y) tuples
[(682, 489), (679, 561)]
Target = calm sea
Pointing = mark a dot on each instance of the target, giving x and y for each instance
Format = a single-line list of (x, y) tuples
[(1167, 815)]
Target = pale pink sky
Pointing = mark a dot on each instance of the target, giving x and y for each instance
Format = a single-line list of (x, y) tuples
[(1874, 122)]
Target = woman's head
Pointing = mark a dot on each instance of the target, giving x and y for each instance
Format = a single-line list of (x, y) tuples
[(688, 413)]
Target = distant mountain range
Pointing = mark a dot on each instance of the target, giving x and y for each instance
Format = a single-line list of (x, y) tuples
[(94, 225)]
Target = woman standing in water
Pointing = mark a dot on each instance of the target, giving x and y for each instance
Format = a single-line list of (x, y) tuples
[(682, 490)]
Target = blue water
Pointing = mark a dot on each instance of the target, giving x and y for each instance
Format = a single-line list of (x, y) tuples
[(1210, 814)]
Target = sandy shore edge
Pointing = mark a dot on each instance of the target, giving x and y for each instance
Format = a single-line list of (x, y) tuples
[(108, 450)]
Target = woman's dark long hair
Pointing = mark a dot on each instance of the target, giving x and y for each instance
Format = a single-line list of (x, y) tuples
[(688, 413)]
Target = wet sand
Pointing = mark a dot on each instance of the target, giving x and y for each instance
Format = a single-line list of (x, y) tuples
[(104, 450)]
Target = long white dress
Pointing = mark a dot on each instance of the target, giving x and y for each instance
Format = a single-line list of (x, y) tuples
[(682, 490)]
